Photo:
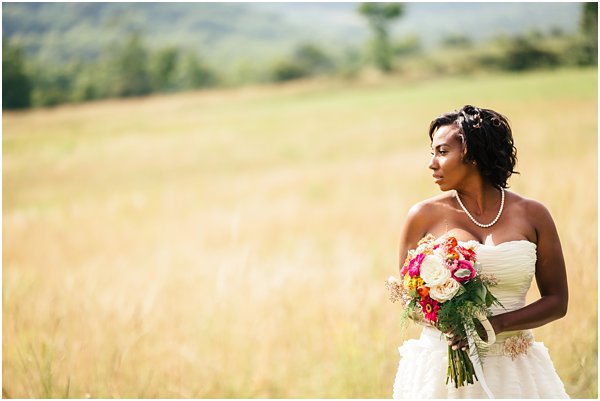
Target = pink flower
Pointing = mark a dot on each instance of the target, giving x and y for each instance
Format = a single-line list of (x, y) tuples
[(464, 271), (414, 267), (430, 308)]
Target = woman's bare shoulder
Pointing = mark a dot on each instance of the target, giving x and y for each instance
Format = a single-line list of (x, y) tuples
[(426, 213), (528, 205), (433, 205), (532, 210), (421, 218)]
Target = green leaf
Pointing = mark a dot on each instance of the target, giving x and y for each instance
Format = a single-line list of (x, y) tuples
[(480, 295)]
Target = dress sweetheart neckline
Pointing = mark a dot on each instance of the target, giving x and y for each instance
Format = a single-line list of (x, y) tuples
[(500, 244)]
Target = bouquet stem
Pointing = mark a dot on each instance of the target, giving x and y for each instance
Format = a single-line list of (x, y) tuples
[(460, 368)]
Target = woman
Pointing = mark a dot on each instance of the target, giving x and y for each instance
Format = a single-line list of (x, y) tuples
[(515, 239)]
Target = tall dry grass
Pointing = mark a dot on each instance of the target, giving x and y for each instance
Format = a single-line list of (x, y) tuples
[(234, 243)]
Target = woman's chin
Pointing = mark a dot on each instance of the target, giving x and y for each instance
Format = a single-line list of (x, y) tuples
[(443, 187)]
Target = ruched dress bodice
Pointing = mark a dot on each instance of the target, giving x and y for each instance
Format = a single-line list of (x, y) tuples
[(422, 368), (513, 265)]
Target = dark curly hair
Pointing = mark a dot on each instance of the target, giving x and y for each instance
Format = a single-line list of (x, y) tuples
[(488, 138)]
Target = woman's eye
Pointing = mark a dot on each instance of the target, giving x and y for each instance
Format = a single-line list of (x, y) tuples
[(443, 152)]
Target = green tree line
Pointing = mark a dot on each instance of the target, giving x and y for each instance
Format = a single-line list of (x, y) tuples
[(132, 69)]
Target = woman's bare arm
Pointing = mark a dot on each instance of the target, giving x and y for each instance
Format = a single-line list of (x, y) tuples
[(550, 274)]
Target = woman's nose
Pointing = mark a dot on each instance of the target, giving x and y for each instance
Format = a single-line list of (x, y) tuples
[(432, 163)]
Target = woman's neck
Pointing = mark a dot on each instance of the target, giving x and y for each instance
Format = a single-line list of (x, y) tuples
[(479, 196)]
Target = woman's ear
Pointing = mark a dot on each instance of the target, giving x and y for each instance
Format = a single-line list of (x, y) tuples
[(463, 152), (463, 156), (463, 148)]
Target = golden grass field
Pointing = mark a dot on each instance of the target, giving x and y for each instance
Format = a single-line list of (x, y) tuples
[(235, 243)]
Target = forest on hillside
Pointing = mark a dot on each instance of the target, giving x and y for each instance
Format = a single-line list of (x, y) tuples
[(56, 53)]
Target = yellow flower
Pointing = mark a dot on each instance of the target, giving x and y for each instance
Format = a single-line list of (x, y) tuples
[(412, 283)]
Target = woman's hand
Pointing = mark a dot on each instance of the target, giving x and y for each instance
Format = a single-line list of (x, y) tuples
[(457, 341), (460, 341)]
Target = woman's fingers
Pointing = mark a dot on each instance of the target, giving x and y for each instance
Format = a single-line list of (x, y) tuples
[(456, 341)]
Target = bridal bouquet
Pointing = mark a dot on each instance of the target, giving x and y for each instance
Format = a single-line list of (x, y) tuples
[(441, 285)]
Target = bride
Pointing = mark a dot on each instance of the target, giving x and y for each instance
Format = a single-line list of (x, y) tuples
[(515, 239)]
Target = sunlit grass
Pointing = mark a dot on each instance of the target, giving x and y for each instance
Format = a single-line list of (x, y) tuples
[(234, 243)]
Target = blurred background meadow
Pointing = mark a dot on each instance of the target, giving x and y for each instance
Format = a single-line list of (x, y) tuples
[(203, 200)]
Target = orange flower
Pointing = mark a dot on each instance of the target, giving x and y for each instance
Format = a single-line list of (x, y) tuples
[(450, 243), (453, 255), (423, 291)]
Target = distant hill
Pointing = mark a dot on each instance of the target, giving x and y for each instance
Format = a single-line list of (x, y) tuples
[(226, 33), (434, 21)]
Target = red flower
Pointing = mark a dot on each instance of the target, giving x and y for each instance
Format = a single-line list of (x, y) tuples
[(468, 254), (430, 308)]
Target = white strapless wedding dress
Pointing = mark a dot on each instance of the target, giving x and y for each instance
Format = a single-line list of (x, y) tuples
[(423, 363)]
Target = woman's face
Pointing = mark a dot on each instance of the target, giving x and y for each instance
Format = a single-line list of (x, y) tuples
[(449, 170)]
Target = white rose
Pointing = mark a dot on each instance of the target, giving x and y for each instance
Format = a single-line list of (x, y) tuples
[(446, 291), (433, 272)]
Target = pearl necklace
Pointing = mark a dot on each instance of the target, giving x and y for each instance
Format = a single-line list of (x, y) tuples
[(473, 219)]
